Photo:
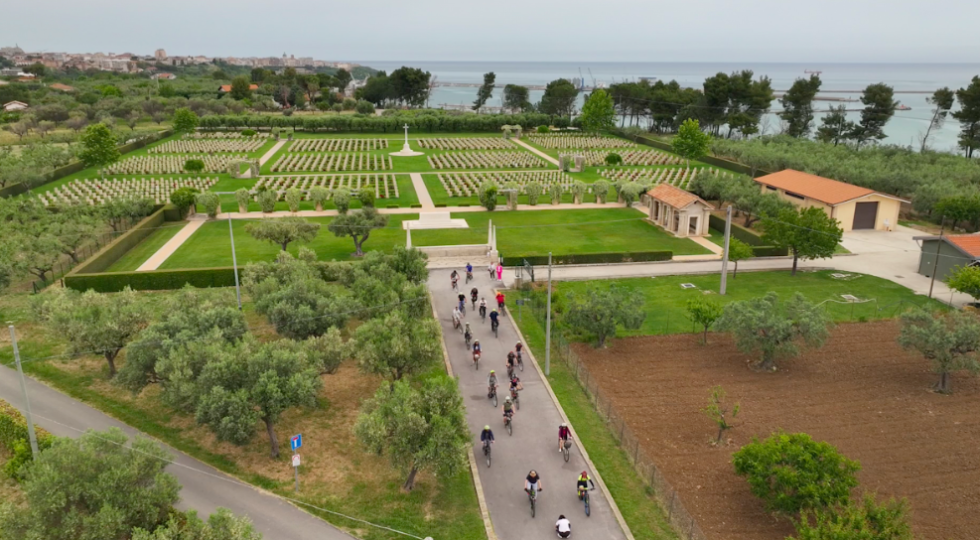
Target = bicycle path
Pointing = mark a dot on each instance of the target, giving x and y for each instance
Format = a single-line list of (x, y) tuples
[(534, 444), (204, 488)]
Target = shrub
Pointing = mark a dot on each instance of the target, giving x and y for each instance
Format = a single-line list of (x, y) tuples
[(293, 198), (183, 199), (601, 189), (243, 197), (267, 201), (287, 112), (364, 107), (867, 520), (14, 438), (791, 472), (533, 190), (194, 165), (543, 129), (366, 196), (613, 159), (337, 107), (319, 195), (248, 132), (211, 203), (578, 191), (555, 191), (349, 104), (341, 199), (276, 132)]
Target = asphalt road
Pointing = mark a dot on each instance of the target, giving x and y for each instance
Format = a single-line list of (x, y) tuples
[(534, 444), (204, 488)]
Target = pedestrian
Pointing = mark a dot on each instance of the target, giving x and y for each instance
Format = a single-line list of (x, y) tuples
[(500, 272), (492, 269)]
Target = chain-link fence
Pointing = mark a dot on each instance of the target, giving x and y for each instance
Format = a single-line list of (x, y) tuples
[(534, 306)]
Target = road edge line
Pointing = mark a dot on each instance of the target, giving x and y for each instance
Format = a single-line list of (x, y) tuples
[(471, 455), (585, 454)]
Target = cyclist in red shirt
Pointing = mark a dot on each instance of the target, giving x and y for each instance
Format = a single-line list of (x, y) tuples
[(500, 302), (563, 434)]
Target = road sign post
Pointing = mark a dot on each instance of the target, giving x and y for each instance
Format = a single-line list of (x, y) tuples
[(296, 470)]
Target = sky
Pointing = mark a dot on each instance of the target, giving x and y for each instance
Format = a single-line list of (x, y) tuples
[(508, 30)]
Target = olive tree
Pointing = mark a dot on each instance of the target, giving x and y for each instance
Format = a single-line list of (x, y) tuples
[(222, 524), (417, 429), (763, 326), (243, 197), (358, 226), (951, 342), (602, 309), (283, 231), (395, 345), (293, 197), (601, 189), (95, 486), (533, 190), (211, 203), (91, 322), (319, 195)]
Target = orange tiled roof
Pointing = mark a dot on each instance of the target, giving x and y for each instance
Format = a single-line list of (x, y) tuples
[(969, 243), (227, 87), (62, 87), (814, 187), (676, 197)]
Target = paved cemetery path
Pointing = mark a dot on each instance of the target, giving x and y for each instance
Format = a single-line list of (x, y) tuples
[(204, 488), (272, 151), (534, 444), (168, 249), (423, 193), (537, 152)]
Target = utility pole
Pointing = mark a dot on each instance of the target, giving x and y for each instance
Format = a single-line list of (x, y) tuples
[(547, 331), (23, 386), (935, 263), (724, 260), (234, 263)]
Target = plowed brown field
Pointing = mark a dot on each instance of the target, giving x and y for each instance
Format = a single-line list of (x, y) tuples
[(861, 393)]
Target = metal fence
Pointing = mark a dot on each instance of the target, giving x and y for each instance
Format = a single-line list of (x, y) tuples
[(666, 496)]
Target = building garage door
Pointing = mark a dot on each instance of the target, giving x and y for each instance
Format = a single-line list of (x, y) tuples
[(865, 215)]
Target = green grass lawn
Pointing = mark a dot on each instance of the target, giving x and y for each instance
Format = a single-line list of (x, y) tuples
[(665, 301), (520, 234), (529, 232), (145, 249)]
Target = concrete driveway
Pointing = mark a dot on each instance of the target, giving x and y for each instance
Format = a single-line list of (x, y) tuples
[(534, 444)]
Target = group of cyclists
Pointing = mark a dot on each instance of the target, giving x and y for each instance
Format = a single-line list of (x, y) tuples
[(532, 483)]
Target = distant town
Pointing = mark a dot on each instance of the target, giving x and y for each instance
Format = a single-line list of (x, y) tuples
[(135, 63)]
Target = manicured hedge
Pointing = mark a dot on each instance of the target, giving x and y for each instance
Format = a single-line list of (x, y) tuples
[(154, 280), (114, 250), (769, 251), (426, 121), (749, 237), (592, 258)]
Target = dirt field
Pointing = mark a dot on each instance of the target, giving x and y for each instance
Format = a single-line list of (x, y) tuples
[(861, 393)]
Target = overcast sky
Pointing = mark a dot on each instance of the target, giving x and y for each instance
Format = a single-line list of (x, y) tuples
[(508, 30)]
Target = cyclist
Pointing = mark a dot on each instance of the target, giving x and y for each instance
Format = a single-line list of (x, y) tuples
[(511, 357), (491, 383), (462, 303), (519, 348), (493, 319), (467, 335), (483, 307), (469, 271), (563, 527), (454, 278), (533, 482), (508, 407), (582, 484), (500, 302), (457, 317), (477, 348), (515, 386), (563, 433), (473, 295), (486, 436)]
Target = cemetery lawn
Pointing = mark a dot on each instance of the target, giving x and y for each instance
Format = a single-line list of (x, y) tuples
[(562, 232), (666, 302), (146, 248), (336, 473)]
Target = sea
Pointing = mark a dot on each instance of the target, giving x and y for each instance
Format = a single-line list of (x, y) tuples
[(844, 81)]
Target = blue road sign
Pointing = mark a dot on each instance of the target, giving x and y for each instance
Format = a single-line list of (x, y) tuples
[(296, 441)]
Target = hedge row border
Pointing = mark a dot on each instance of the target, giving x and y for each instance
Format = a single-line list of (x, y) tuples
[(591, 258)]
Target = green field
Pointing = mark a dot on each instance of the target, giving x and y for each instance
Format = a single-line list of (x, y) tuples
[(665, 301), (145, 249), (520, 234)]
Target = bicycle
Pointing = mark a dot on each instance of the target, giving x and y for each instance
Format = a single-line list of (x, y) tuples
[(492, 395), (565, 448), (585, 500), (510, 372), (501, 309), (483, 314), (494, 325), (509, 424), (531, 495), (469, 339), (486, 451), (520, 361), (516, 398), (469, 277), (476, 359)]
